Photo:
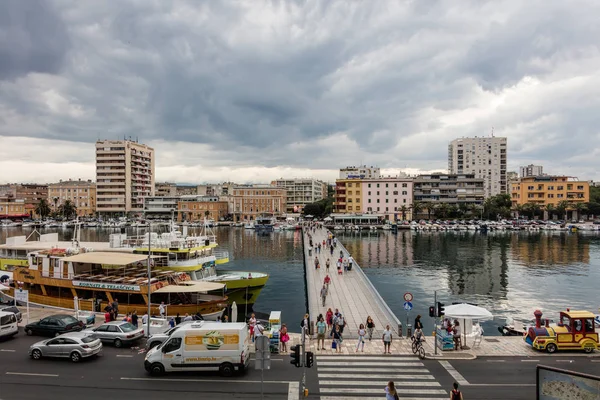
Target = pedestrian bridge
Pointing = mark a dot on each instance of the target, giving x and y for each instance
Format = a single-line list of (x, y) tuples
[(352, 293)]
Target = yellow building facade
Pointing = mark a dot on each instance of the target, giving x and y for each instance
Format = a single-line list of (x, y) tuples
[(81, 193), (12, 208), (348, 196), (543, 190)]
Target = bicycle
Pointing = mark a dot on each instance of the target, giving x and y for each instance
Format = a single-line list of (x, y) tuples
[(417, 347)]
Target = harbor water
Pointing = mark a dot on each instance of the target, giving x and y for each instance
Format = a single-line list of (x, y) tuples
[(509, 273)]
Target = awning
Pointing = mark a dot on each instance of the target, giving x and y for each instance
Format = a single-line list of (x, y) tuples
[(467, 311), (99, 257), (196, 287)]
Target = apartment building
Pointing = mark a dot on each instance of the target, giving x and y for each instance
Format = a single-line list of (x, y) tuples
[(484, 157), (30, 193), (547, 189), (254, 201), (348, 196), (162, 189), (215, 189), (196, 208), (531, 170), (12, 208), (361, 172), (186, 190), (301, 192), (124, 176), (161, 207), (451, 189), (390, 196), (81, 193)]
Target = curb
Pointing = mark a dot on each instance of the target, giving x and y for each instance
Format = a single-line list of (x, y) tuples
[(429, 356)]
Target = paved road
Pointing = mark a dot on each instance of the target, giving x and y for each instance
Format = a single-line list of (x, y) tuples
[(503, 377), (121, 371)]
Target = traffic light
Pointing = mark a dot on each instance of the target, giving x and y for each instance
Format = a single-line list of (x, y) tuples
[(432, 311), (295, 355), (440, 309), (310, 359)]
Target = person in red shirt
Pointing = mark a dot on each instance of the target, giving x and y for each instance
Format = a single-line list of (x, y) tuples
[(327, 280), (107, 317)]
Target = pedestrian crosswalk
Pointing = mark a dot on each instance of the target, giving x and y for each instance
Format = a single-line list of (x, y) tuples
[(351, 377)]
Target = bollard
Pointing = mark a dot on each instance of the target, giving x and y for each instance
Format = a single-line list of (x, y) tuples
[(400, 329), (408, 330)]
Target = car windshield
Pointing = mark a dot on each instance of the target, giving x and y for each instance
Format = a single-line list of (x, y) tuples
[(127, 327), (170, 332), (67, 319), (87, 339)]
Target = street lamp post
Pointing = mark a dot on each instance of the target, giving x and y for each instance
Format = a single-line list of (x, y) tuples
[(149, 276)]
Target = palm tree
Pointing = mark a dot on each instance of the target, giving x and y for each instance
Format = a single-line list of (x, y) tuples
[(430, 206), (463, 209), (475, 210), (550, 210), (443, 210), (206, 213), (534, 209), (561, 209), (42, 209), (580, 208), (417, 206), (55, 201), (404, 210), (67, 209)]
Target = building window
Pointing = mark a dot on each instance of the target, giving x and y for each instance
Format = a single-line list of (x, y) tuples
[(404, 200), (404, 192), (395, 192), (377, 200), (357, 208), (579, 187), (378, 185), (387, 193), (378, 193), (560, 188), (395, 200), (369, 192), (358, 192), (387, 200), (349, 191), (377, 208), (395, 185), (386, 185), (369, 186), (349, 208), (369, 201), (404, 185)]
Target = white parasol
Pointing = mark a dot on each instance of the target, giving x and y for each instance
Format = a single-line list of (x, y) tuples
[(234, 312), (466, 311)]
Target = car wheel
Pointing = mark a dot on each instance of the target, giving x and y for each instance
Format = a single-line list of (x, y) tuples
[(551, 348), (118, 343), (75, 357), (226, 369), (36, 354), (588, 349), (157, 369), (29, 332)]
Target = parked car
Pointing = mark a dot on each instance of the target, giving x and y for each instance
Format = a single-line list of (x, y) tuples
[(54, 325), (158, 338), (8, 324), (13, 310), (75, 345), (117, 332)]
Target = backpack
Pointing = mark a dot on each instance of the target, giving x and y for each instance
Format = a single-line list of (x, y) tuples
[(302, 323), (341, 321), (455, 394)]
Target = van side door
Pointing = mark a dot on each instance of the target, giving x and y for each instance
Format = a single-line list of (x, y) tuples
[(173, 352)]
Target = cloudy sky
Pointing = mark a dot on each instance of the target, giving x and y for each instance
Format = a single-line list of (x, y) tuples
[(254, 90)]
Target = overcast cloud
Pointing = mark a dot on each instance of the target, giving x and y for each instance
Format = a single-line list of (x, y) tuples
[(254, 90)]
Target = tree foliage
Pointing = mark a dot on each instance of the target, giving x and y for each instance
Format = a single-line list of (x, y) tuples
[(43, 208), (319, 209), (68, 209)]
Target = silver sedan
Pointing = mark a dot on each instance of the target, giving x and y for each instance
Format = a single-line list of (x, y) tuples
[(75, 345), (117, 333)]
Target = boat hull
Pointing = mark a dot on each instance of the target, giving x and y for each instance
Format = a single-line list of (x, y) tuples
[(141, 309)]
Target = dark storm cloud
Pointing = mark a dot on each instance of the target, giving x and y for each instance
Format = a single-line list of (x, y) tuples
[(33, 38), (306, 83)]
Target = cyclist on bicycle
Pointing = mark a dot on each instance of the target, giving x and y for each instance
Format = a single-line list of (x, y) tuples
[(418, 336)]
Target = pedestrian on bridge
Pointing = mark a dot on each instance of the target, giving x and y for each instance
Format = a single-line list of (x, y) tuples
[(329, 318), (324, 291), (387, 340), (321, 329), (361, 338), (390, 392), (327, 265), (370, 327), (456, 394)]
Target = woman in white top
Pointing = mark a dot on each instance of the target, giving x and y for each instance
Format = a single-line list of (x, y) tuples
[(361, 338), (252, 324)]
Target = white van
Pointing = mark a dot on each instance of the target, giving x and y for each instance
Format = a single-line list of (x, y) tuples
[(202, 346), (8, 324)]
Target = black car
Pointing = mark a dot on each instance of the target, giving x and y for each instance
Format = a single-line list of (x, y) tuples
[(54, 325)]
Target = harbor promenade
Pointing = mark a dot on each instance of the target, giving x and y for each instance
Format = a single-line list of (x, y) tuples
[(351, 293)]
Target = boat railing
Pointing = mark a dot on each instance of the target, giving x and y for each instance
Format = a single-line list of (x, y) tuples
[(193, 261)]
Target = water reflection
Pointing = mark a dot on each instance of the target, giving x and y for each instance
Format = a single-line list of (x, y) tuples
[(509, 273)]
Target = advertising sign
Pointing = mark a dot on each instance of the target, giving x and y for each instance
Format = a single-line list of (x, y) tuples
[(106, 286), (213, 340)]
